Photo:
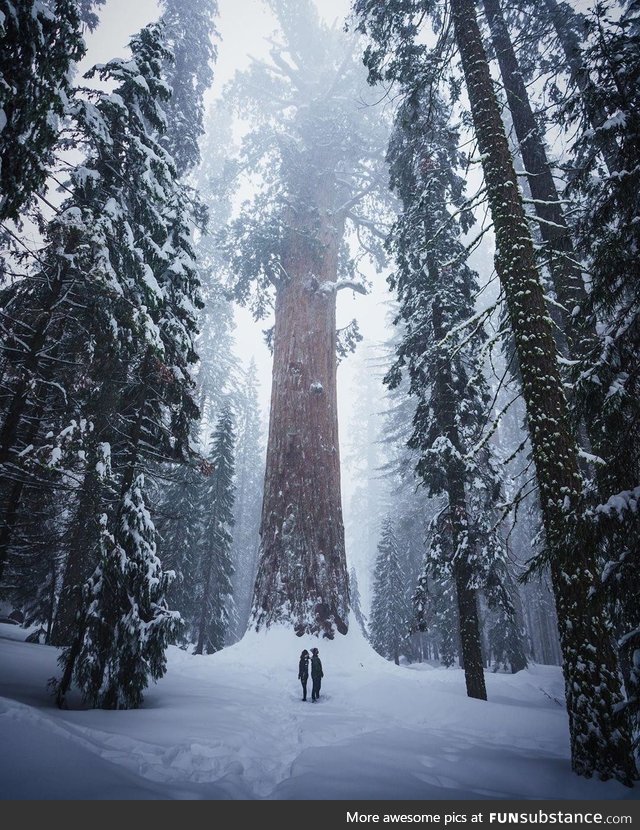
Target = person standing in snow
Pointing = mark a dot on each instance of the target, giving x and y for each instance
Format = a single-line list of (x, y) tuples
[(316, 675), (303, 672)]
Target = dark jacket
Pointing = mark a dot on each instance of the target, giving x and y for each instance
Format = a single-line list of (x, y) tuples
[(303, 668), (316, 667)]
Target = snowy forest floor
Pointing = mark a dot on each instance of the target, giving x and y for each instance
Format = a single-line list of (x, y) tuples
[(233, 726)]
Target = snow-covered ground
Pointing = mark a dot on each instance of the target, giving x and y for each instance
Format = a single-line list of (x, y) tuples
[(233, 726)]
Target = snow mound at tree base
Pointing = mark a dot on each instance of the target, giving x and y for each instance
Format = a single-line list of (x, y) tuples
[(232, 725), (279, 645)]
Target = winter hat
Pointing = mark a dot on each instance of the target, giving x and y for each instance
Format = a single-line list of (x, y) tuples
[(314, 650)]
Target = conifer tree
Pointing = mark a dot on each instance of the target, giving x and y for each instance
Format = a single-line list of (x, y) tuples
[(144, 337), (180, 522), (388, 626), (190, 34), (119, 309), (589, 101), (215, 611), (607, 378), (572, 335), (444, 368), (124, 621)]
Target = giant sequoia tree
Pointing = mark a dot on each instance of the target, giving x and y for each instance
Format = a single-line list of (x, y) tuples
[(599, 745), (318, 151)]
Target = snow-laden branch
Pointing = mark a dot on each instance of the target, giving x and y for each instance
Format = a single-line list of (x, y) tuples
[(372, 227), (357, 197), (328, 288)]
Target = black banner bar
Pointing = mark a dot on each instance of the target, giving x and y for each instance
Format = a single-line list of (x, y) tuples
[(335, 815)]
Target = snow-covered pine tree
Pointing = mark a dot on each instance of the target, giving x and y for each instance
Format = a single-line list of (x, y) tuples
[(124, 620), (215, 592), (588, 100), (318, 154), (594, 48), (190, 39), (388, 623), (598, 110), (138, 393), (39, 43), (592, 686), (179, 520), (572, 331)]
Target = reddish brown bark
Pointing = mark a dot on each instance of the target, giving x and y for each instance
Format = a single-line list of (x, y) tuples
[(302, 574)]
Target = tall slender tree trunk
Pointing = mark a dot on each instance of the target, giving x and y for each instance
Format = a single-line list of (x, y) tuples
[(469, 626), (302, 575), (592, 687), (565, 270)]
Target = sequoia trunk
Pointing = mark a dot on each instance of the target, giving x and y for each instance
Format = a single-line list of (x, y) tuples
[(302, 574)]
